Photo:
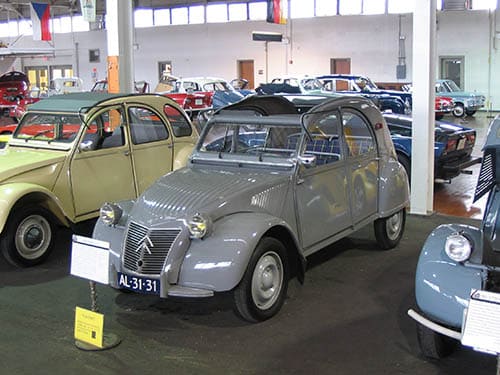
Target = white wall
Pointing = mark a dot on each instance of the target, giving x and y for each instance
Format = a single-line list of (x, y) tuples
[(371, 42)]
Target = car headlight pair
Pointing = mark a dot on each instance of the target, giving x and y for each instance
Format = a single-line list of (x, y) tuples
[(458, 247), (110, 214), (199, 226)]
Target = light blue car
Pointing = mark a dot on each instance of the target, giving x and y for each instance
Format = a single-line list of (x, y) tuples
[(457, 259), (466, 103)]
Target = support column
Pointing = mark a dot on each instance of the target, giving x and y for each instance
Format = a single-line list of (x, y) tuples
[(424, 77), (120, 27)]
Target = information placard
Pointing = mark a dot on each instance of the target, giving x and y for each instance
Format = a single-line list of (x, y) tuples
[(90, 259), (482, 322), (89, 327)]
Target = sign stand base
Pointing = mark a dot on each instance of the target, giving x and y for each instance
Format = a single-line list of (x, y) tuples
[(110, 340)]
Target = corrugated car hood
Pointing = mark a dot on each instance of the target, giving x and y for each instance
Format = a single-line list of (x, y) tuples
[(17, 161), (213, 192)]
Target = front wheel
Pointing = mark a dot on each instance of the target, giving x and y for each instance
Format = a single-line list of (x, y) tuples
[(458, 110), (432, 344), (470, 113), (28, 236), (389, 230), (262, 290)]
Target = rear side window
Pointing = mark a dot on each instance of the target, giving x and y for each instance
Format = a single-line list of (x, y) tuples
[(180, 125), (146, 126), (358, 136)]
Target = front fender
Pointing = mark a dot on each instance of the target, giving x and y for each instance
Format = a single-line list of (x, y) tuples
[(10, 194), (443, 286), (219, 261)]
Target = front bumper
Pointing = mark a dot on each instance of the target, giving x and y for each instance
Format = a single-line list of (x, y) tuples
[(434, 326)]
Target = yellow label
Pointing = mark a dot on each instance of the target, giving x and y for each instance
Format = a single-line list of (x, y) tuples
[(89, 327)]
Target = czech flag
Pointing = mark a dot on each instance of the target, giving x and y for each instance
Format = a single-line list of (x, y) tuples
[(40, 17), (276, 11)]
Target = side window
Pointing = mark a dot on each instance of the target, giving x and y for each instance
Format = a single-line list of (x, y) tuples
[(145, 126), (325, 141), (105, 131), (358, 136), (180, 125)]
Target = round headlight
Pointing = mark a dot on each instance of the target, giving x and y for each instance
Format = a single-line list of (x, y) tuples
[(458, 247), (198, 226), (110, 214)]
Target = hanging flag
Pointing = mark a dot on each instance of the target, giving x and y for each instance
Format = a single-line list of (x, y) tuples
[(276, 11), (40, 17), (88, 10)]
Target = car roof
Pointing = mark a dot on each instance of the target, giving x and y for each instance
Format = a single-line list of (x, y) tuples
[(74, 102)]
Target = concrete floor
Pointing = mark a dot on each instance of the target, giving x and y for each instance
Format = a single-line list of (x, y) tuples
[(349, 317)]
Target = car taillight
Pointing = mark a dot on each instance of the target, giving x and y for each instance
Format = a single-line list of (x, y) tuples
[(471, 138)]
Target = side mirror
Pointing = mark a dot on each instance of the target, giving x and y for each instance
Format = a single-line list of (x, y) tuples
[(308, 161)]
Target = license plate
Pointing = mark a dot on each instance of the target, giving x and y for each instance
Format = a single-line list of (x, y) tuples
[(139, 284), (461, 144), (198, 101)]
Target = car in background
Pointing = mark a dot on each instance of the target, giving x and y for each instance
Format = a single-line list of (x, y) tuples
[(56, 169), (453, 146), (15, 94), (65, 85), (4, 139), (443, 105), (458, 272), (360, 85), (312, 86), (244, 214), (465, 103)]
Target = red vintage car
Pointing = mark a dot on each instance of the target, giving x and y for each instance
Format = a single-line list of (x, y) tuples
[(15, 94), (443, 106)]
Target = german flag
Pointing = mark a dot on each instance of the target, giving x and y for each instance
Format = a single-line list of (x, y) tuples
[(276, 11)]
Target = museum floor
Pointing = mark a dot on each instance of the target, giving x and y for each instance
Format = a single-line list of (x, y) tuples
[(349, 317)]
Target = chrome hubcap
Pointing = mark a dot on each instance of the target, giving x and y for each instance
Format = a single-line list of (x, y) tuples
[(33, 237), (267, 280)]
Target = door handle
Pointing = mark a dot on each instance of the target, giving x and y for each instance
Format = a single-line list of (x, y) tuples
[(300, 181), (126, 153)]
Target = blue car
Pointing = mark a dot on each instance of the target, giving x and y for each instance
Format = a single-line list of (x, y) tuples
[(458, 272), (452, 148), (357, 84)]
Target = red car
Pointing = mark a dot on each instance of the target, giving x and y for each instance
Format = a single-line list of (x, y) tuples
[(15, 94), (443, 106)]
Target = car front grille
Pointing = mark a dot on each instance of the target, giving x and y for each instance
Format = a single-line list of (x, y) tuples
[(487, 176), (146, 249)]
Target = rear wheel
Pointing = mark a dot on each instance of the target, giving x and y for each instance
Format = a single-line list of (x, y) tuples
[(433, 344), (262, 290), (458, 110), (28, 237), (405, 162), (389, 230)]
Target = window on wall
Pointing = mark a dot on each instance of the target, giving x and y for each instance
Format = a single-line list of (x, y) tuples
[(484, 4), (452, 67), (179, 16), (143, 18), (326, 8), (257, 11), (237, 12), (161, 17), (400, 6), (301, 8), (350, 7), (197, 14), (216, 13), (373, 6)]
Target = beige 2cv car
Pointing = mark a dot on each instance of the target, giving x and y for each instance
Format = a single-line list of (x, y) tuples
[(71, 153)]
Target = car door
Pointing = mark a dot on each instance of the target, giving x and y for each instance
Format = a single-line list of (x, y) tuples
[(321, 190), (362, 164), (151, 143), (101, 169)]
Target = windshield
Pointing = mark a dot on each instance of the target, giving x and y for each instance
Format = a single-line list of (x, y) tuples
[(312, 84), (230, 140), (48, 127), (448, 86), (217, 86), (365, 84)]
